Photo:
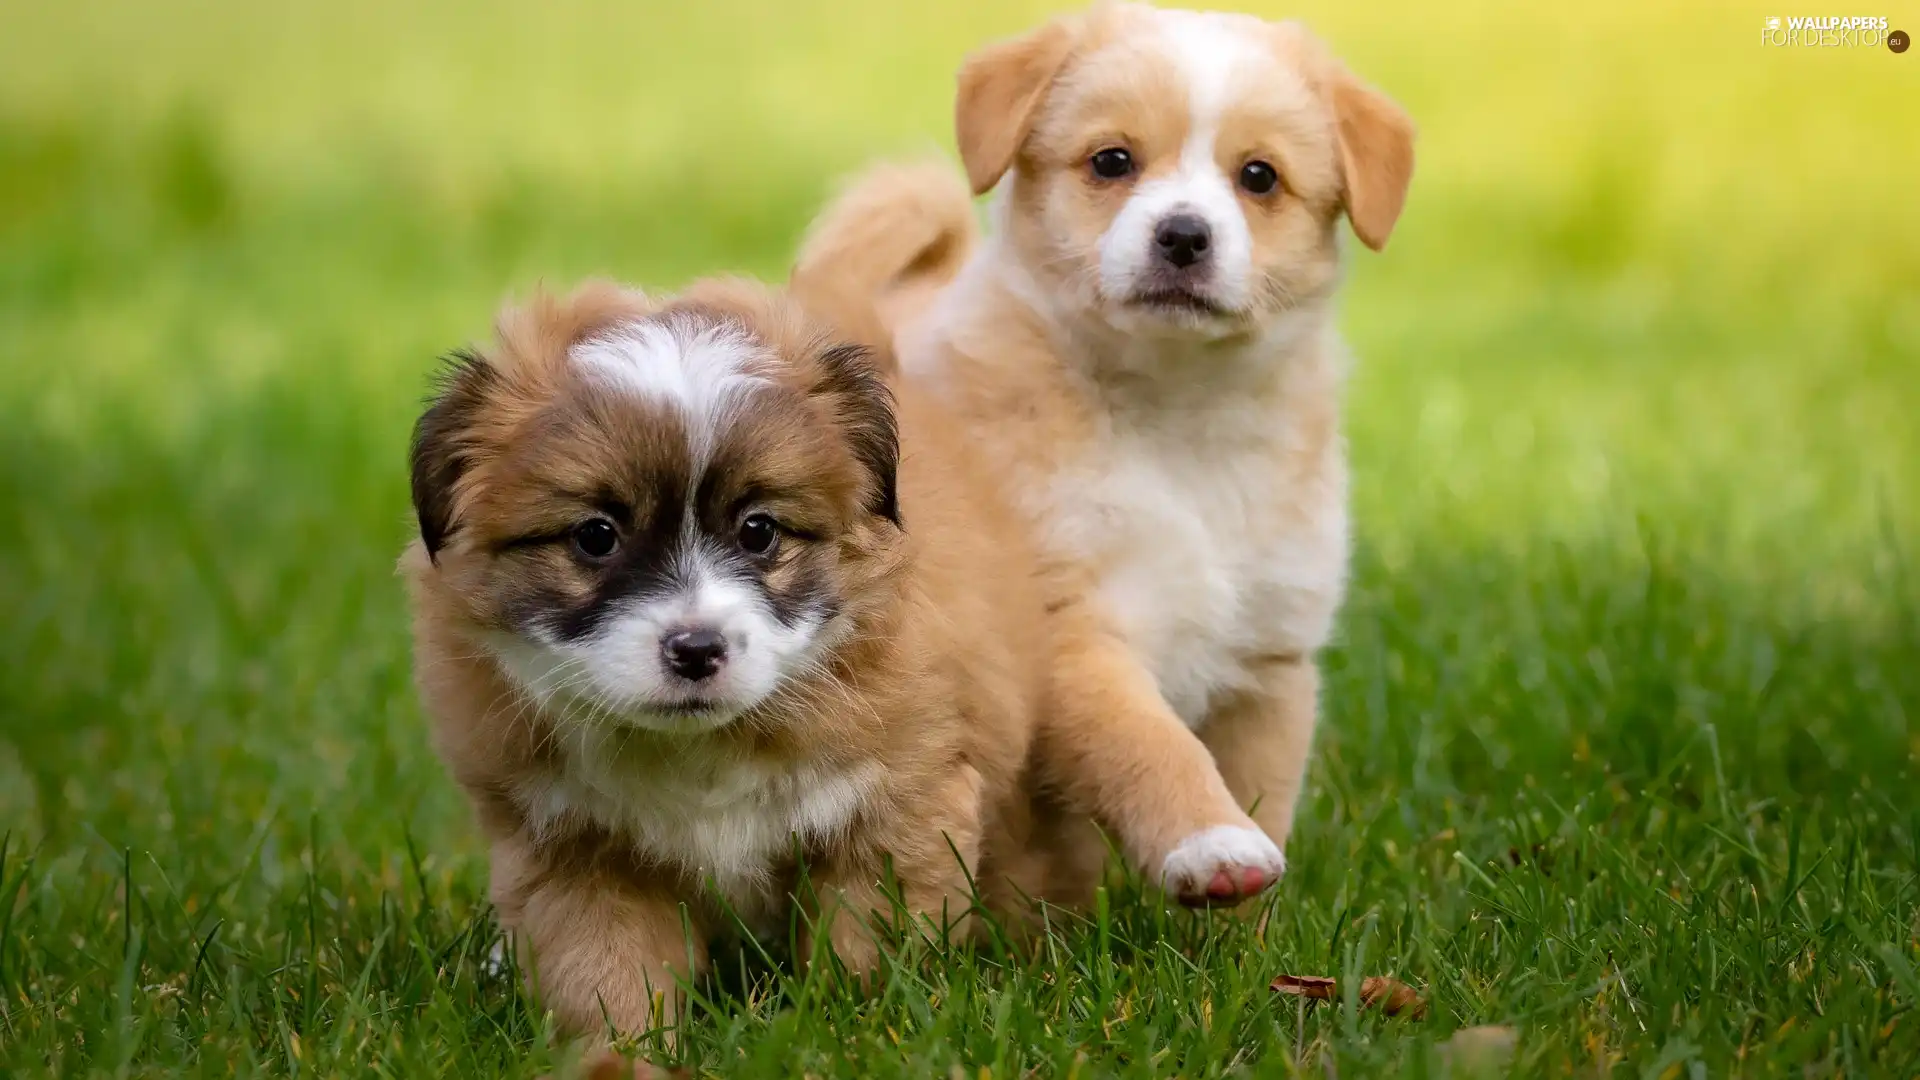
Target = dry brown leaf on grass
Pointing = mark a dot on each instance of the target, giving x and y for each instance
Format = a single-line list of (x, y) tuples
[(1393, 997), (1316, 987), (610, 1065)]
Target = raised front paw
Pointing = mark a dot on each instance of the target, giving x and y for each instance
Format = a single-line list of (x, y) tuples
[(1222, 865)]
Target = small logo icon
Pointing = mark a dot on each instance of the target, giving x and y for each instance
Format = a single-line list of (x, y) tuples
[(1898, 41), (1773, 22)]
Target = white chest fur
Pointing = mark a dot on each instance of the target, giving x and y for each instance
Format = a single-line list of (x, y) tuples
[(713, 815), (1216, 537)]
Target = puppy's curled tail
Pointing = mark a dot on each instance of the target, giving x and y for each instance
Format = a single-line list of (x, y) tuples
[(885, 246)]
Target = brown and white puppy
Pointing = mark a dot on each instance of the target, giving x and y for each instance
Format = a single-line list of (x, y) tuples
[(689, 612), (1146, 343)]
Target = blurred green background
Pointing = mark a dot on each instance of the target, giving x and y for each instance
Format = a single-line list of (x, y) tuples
[(1637, 464)]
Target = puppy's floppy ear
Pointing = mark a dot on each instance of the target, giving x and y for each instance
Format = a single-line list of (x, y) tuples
[(1001, 87), (1376, 155), (850, 380), (442, 444)]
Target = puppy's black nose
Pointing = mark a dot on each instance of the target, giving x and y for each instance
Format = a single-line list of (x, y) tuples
[(1182, 239), (694, 654)]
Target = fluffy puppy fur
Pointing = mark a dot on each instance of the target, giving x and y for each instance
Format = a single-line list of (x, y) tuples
[(1146, 344), (692, 609)]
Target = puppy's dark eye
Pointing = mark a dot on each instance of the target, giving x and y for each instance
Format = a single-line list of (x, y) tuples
[(1258, 178), (1112, 163), (595, 538), (758, 534)]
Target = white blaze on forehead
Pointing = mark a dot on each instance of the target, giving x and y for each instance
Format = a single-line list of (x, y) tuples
[(1208, 50), (705, 371)]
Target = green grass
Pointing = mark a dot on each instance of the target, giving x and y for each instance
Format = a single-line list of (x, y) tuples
[(1621, 731)]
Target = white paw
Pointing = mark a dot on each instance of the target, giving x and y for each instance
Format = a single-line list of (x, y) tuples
[(1222, 865)]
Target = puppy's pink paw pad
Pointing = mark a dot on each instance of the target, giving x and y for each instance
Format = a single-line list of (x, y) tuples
[(1222, 887), (1222, 865)]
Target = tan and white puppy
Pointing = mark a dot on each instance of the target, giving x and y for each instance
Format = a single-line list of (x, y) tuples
[(690, 613), (1146, 344)]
